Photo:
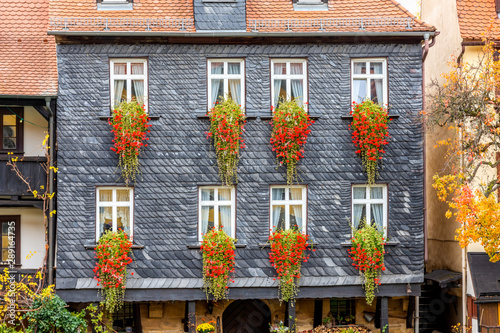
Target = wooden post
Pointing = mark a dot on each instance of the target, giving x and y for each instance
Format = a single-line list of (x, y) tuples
[(384, 315), (192, 316), (291, 315)]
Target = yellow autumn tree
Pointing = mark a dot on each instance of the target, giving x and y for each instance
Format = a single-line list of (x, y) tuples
[(467, 106)]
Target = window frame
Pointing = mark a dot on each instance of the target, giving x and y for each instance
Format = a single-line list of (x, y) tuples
[(287, 203), (17, 239), (384, 201), (216, 205), (226, 77), (114, 205), (128, 78), (384, 76), (288, 77), (18, 112)]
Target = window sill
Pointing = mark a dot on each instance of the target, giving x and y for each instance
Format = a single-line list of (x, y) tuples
[(268, 245), (349, 117), (313, 117), (197, 246), (107, 118), (5, 157), (93, 246), (204, 116), (348, 243)]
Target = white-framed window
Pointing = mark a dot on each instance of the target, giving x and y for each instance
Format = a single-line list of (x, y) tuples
[(226, 77), (114, 210), (288, 207), (289, 80), (369, 203), (129, 80), (217, 208), (369, 80)]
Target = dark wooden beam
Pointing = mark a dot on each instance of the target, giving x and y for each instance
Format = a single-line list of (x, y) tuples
[(384, 315), (292, 316), (192, 316), (21, 203), (318, 312), (22, 101)]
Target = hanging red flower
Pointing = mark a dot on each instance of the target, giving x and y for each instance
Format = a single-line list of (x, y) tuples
[(369, 135), (289, 135)]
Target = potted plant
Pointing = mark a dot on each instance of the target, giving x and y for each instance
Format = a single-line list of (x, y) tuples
[(205, 328), (327, 321), (227, 121), (367, 252), (130, 124), (278, 328), (369, 135), (290, 129), (218, 263)]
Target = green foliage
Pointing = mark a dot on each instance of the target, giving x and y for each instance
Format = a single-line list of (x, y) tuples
[(49, 314), (226, 128), (7, 329), (99, 319)]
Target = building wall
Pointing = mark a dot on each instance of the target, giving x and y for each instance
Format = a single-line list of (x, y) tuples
[(179, 158), (35, 129), (32, 235), (443, 249)]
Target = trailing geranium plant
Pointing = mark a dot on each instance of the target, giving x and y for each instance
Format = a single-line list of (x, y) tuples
[(286, 256), (218, 263), (367, 252), (130, 123), (113, 255), (369, 135), (227, 122), (289, 135)]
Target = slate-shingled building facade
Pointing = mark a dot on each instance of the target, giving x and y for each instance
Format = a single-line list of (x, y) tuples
[(178, 60)]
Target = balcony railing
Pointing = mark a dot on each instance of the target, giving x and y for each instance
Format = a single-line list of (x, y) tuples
[(106, 24), (490, 329), (331, 23), (31, 168)]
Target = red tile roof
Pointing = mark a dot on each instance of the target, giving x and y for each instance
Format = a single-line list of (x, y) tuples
[(476, 17), (167, 10), (337, 9), (28, 63)]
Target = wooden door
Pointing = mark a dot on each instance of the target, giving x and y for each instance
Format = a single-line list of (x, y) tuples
[(246, 316)]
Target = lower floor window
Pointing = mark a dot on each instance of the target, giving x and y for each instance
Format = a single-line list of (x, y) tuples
[(343, 310), (114, 210), (217, 209), (126, 319), (10, 239)]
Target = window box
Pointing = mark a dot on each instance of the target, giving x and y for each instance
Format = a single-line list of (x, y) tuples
[(217, 208), (114, 210), (129, 80), (288, 207), (369, 80)]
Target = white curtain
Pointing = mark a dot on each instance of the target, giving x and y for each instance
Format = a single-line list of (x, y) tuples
[(297, 85), (207, 195), (138, 69), (358, 212), (359, 90), (234, 84), (224, 194), (277, 223), (119, 69), (105, 219), (225, 219), (296, 212), (296, 194), (205, 213), (216, 69), (378, 90), (279, 69), (378, 215), (123, 218)]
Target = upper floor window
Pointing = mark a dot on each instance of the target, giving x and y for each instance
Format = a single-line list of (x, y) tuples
[(289, 80), (114, 210), (12, 129), (129, 81), (226, 77), (369, 204), (217, 208), (369, 80), (288, 207)]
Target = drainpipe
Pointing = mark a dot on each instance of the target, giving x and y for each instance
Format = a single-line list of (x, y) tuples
[(425, 51), (417, 315), (51, 230)]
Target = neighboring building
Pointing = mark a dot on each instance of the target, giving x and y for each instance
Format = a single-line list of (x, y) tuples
[(28, 83), (462, 24), (175, 55)]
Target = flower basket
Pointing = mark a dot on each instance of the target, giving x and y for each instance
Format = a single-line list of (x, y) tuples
[(130, 124), (367, 252), (112, 253), (369, 135), (218, 263), (286, 256), (227, 122), (205, 328), (290, 129)]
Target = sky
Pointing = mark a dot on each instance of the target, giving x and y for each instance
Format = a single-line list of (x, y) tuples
[(411, 5)]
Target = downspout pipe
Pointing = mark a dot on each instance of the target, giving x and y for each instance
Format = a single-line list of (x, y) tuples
[(51, 226), (425, 51)]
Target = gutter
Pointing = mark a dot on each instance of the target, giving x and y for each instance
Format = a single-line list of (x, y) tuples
[(425, 52), (241, 34), (51, 231), (28, 97)]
